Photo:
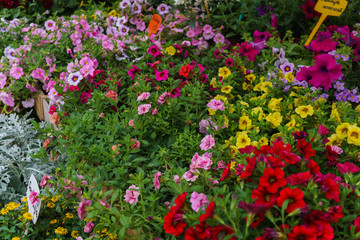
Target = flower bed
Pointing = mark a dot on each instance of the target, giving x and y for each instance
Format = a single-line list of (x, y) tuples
[(181, 134)]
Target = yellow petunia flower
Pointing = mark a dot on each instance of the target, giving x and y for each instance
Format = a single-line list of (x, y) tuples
[(263, 141), (170, 50), (342, 130), (74, 234), (274, 104), (354, 135), (242, 139), (250, 77), (334, 140), (289, 77), (244, 123), (226, 89), (275, 119), (305, 111), (224, 72)]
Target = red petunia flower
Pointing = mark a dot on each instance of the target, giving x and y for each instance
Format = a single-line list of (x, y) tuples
[(309, 9), (208, 213), (185, 70), (302, 232), (179, 202), (290, 158), (305, 148), (295, 197), (331, 155), (257, 220), (174, 223), (331, 189), (275, 162), (201, 231), (219, 232), (336, 213), (357, 224), (249, 168), (313, 167), (299, 178), (272, 179), (263, 196), (226, 172)]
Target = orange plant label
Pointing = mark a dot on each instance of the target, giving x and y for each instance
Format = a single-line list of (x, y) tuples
[(154, 24), (331, 7), (327, 8)]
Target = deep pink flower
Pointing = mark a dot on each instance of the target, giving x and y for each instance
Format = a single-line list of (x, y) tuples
[(324, 71), (261, 36), (131, 195), (33, 198), (347, 167), (156, 180), (175, 93), (198, 200), (162, 76), (324, 42), (274, 21), (322, 130), (154, 51), (207, 143), (88, 227), (82, 208), (84, 98), (247, 50), (132, 71)]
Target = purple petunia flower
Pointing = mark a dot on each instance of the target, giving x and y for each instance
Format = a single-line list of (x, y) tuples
[(163, 9), (125, 4), (123, 30), (136, 8), (74, 78)]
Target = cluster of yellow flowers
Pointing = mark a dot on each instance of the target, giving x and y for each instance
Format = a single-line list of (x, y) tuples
[(9, 207)]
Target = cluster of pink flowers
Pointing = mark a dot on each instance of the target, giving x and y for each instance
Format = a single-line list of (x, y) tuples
[(131, 195)]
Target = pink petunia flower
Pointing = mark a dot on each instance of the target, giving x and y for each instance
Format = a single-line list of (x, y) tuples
[(143, 96), (136, 144), (38, 74), (207, 143), (131, 195), (155, 111), (28, 103), (33, 198), (347, 167), (2, 80), (82, 208), (143, 108), (16, 72), (191, 175), (111, 94), (156, 180), (89, 227), (198, 200), (216, 105)]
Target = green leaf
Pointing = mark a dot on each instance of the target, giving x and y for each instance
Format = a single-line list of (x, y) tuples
[(114, 196)]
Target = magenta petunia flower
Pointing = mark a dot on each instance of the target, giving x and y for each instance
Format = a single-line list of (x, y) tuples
[(324, 42), (175, 93), (154, 51), (132, 71), (304, 74), (324, 71), (261, 36), (162, 76)]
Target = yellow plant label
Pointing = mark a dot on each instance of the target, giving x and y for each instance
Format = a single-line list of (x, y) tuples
[(327, 8), (331, 7), (154, 24)]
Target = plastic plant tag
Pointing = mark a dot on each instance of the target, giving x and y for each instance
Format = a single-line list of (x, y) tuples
[(154, 24), (33, 209), (327, 8)]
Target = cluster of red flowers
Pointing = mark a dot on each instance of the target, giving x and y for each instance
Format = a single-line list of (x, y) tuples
[(274, 188), (174, 223)]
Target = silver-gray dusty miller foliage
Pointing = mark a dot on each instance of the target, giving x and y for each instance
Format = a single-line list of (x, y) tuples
[(17, 141)]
